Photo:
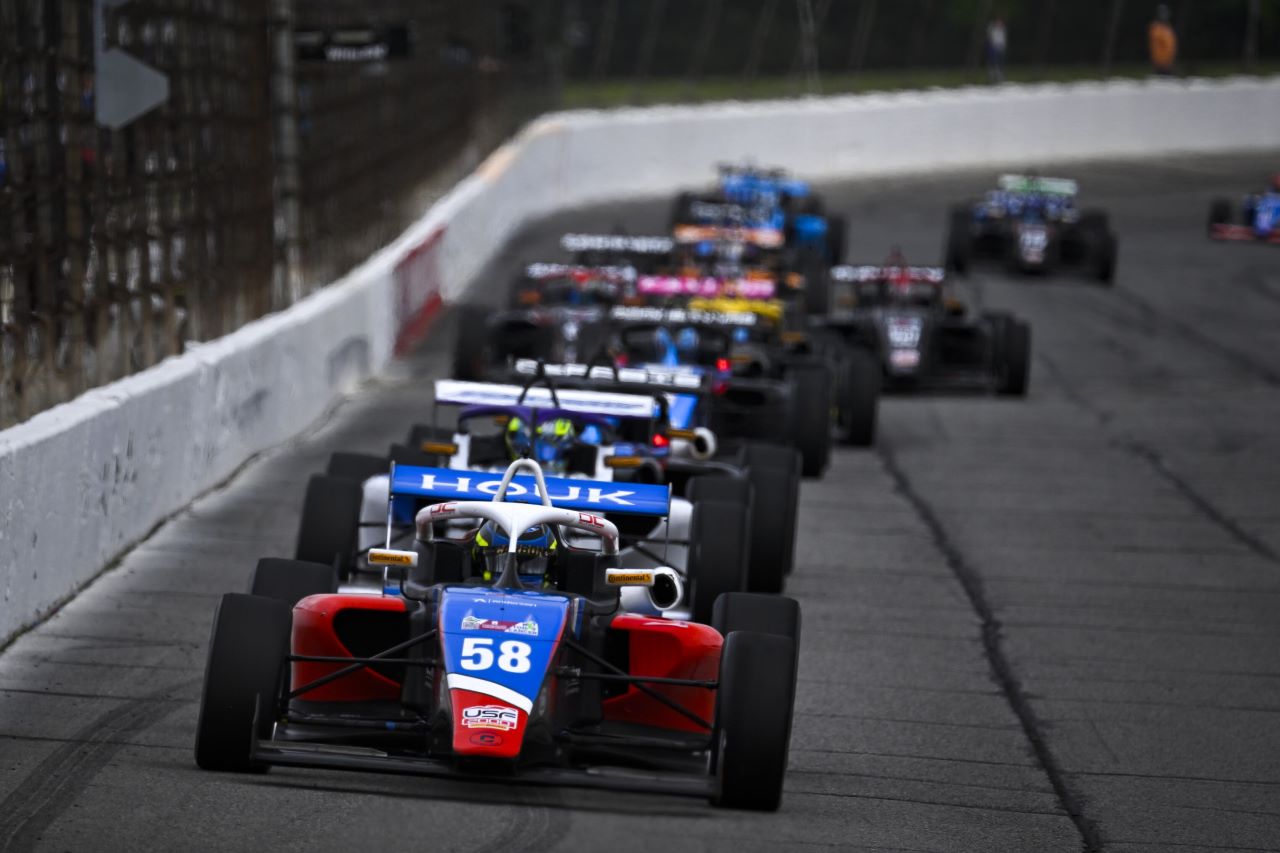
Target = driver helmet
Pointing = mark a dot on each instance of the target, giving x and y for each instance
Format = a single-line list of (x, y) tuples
[(687, 340), (534, 549), (546, 445)]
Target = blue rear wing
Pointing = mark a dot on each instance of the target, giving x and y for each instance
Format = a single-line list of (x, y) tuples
[(444, 484)]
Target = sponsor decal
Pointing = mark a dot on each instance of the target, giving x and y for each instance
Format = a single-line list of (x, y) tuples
[(486, 739), (678, 376), (383, 557), (490, 717), (630, 578), (527, 627)]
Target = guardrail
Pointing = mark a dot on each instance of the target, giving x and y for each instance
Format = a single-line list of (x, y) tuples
[(82, 482)]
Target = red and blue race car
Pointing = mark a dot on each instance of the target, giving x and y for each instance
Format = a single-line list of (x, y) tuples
[(521, 669)]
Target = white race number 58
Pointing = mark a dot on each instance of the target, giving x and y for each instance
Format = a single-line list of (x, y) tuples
[(513, 655)]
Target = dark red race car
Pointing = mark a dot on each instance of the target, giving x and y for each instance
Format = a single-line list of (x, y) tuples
[(512, 664)]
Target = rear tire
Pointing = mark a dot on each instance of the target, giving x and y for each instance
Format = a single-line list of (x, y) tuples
[(860, 398), (784, 501), (836, 229), (763, 614), (754, 710), (330, 522), (810, 416), (959, 241), (291, 581), (1015, 358), (470, 349), (1220, 213), (242, 679), (718, 554), (357, 467)]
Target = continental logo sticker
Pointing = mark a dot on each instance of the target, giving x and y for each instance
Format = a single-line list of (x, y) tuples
[(381, 557), (630, 578)]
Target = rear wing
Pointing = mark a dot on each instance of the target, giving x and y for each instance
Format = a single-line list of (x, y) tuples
[(706, 286), (681, 316), (764, 238), (458, 393), (622, 244), (872, 273), (652, 379), (444, 484), (613, 274), (1030, 184)]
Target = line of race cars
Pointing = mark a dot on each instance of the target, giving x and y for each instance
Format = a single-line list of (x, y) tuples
[(571, 572)]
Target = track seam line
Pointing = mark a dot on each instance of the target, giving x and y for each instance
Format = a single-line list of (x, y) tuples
[(1001, 668), (1157, 463)]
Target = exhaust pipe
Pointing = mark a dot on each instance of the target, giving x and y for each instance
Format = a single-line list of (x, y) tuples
[(703, 444)]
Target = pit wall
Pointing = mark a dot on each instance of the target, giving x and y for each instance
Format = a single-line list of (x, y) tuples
[(82, 482)]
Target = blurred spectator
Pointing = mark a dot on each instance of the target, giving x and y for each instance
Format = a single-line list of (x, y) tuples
[(1163, 42), (997, 44)]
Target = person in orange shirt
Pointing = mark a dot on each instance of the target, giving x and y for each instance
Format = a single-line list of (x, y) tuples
[(1163, 42)]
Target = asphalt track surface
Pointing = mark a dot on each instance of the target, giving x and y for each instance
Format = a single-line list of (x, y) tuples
[(1039, 625)]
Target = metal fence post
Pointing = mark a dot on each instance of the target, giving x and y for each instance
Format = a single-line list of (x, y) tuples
[(287, 272)]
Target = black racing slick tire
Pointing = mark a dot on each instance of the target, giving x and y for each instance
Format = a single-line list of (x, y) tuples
[(810, 416), (1107, 253), (356, 466), (291, 581), (719, 553), (859, 404), (248, 653), (1015, 358), (1220, 213), (470, 348), (330, 524), (785, 467), (763, 614), (959, 250), (836, 231), (754, 709), (770, 548)]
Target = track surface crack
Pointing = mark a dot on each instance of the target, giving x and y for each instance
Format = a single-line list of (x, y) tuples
[(1001, 669)]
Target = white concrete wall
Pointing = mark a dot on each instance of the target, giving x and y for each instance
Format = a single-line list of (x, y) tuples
[(83, 481)]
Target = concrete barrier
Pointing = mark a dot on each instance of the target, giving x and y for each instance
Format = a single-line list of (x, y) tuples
[(82, 482)]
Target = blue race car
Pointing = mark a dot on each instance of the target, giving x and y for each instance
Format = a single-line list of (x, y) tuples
[(1033, 225), (761, 209), (1259, 219)]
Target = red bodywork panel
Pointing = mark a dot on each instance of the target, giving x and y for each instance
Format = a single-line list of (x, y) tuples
[(665, 648), (314, 634), (662, 648), (1223, 231)]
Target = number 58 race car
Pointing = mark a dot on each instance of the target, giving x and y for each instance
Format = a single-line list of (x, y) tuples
[(525, 673)]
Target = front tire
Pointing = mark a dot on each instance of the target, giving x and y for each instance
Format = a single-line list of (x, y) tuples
[(719, 554), (777, 494), (242, 678)]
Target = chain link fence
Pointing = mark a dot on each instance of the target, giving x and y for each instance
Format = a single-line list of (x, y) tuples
[(283, 142)]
